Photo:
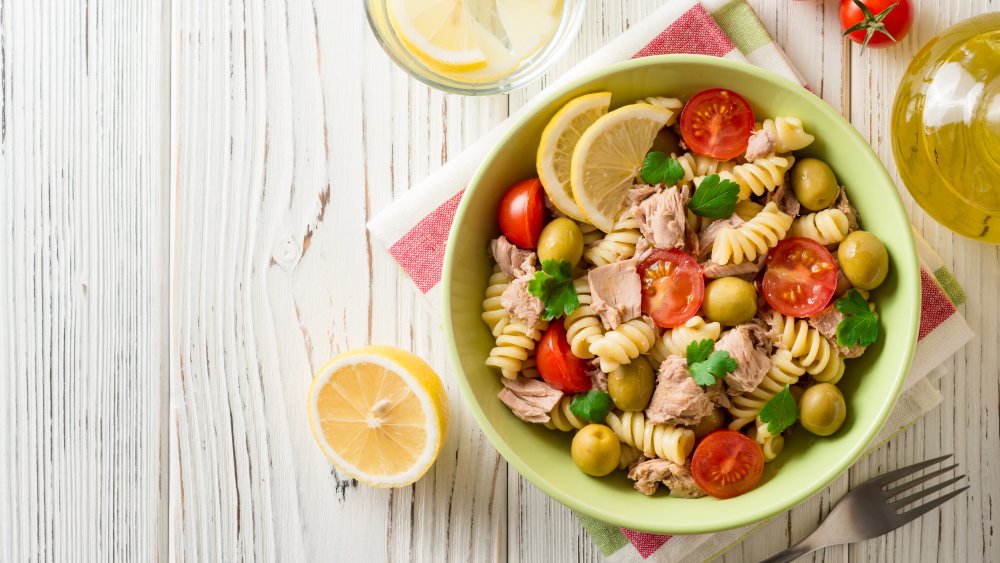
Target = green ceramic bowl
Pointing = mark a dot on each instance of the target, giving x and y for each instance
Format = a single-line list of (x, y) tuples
[(808, 463)]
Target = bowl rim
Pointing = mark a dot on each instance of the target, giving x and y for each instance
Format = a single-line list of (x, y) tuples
[(725, 520)]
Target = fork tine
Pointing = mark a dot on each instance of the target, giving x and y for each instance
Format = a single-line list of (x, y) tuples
[(899, 504), (908, 470), (914, 482), (919, 511)]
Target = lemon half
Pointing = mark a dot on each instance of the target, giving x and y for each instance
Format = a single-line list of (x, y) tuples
[(380, 414), (608, 156), (555, 150)]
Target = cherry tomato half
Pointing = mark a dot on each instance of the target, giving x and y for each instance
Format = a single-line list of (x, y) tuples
[(717, 123), (896, 24), (557, 364), (727, 464), (801, 277), (522, 213), (673, 287)]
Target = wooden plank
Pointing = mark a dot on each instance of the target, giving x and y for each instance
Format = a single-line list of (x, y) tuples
[(83, 123), (291, 129)]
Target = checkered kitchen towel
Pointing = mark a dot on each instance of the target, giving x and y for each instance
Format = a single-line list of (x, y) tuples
[(414, 230)]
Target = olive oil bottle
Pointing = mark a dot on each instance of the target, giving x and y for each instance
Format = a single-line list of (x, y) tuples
[(946, 128)]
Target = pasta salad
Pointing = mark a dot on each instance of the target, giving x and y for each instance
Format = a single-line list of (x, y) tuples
[(679, 290)]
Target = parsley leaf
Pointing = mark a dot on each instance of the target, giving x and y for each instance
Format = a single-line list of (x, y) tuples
[(860, 324), (553, 284), (592, 406), (708, 366), (780, 412), (658, 168), (715, 198)]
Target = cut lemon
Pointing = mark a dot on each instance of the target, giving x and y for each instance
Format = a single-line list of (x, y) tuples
[(555, 150), (529, 23), (380, 414), (442, 33), (608, 157)]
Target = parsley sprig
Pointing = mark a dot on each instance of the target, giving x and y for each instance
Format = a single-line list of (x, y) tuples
[(658, 168), (860, 324), (707, 366), (715, 198), (592, 406), (553, 285), (780, 412)]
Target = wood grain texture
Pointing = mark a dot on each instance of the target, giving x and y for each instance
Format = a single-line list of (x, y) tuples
[(83, 250)]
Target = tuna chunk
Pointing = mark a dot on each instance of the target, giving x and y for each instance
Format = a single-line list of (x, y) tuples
[(531, 400), (642, 249), (512, 260), (677, 398), (639, 193), (617, 292), (662, 217), (761, 145), (650, 473), (825, 322), (708, 233), (853, 217), (784, 197), (521, 304), (743, 343), (598, 379), (746, 270)]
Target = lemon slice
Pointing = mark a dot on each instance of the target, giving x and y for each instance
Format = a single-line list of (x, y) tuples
[(529, 23), (442, 33), (608, 157), (555, 150), (380, 414)]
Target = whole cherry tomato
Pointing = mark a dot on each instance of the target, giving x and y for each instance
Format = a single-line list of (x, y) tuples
[(522, 213), (875, 23), (557, 364)]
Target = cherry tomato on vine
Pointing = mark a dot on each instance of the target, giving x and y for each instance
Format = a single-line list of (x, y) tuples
[(801, 277), (717, 123), (876, 23), (673, 287), (521, 213), (557, 364)]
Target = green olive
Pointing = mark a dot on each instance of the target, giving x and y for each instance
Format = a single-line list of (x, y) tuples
[(712, 422), (631, 386), (730, 301), (596, 450), (822, 409), (863, 259), (814, 184), (666, 141), (561, 239)]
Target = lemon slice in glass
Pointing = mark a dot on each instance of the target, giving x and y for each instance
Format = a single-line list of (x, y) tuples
[(529, 23), (441, 33), (555, 150), (380, 414), (608, 157)]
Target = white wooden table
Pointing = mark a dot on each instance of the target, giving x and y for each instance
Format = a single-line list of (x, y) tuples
[(185, 186)]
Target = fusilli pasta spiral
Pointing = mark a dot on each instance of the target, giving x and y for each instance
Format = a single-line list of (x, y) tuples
[(699, 166), (672, 104), (771, 444), (828, 226), (591, 234), (561, 418), (809, 349), (762, 175), (666, 441), (623, 344), (674, 342), (513, 347), (783, 371), (618, 244), (495, 316), (583, 326), (753, 238), (788, 134), (529, 368)]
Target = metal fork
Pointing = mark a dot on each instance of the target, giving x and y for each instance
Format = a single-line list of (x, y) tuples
[(873, 509)]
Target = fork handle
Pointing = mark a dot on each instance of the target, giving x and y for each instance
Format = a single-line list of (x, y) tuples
[(807, 545)]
